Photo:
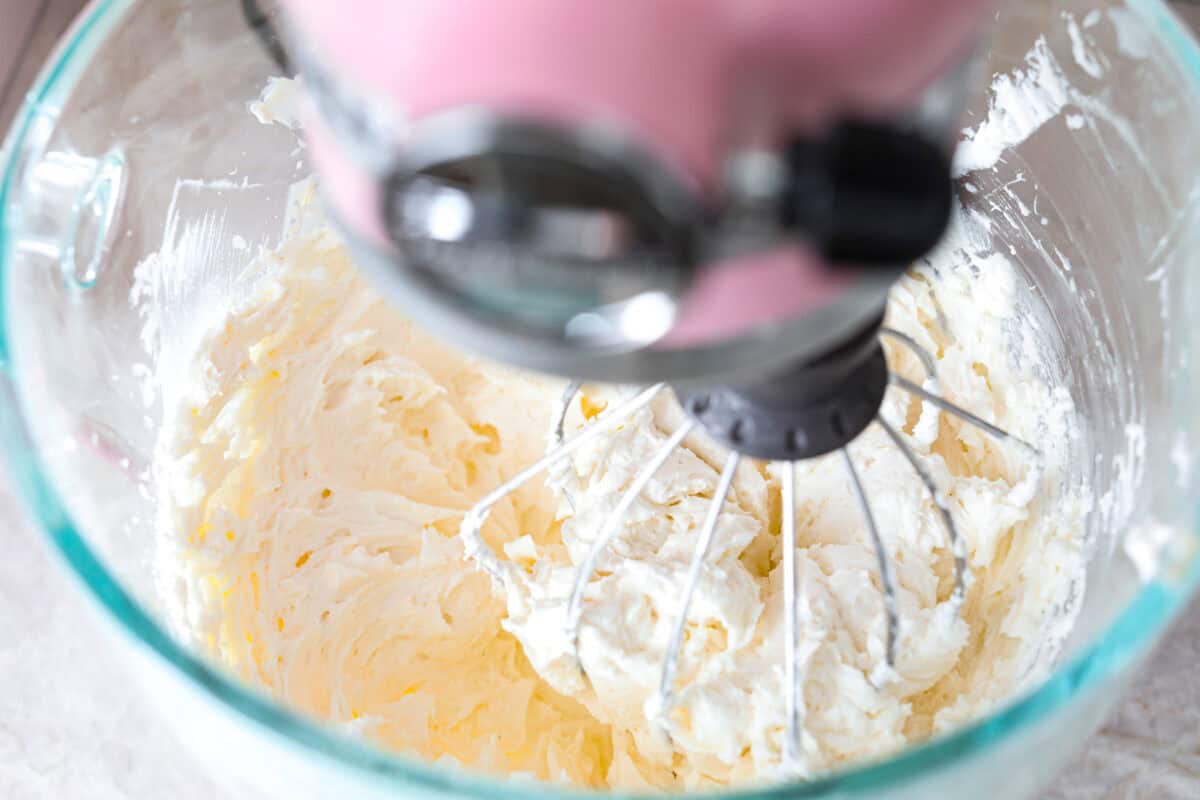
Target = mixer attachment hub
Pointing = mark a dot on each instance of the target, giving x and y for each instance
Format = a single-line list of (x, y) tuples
[(805, 411)]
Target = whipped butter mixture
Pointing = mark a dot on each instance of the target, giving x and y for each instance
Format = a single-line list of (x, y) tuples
[(314, 475)]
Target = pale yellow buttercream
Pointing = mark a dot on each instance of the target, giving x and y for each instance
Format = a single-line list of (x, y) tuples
[(314, 474)]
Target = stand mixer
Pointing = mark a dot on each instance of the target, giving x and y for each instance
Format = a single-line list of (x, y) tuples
[(714, 197)]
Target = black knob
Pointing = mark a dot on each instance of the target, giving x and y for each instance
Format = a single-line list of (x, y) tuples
[(868, 193)]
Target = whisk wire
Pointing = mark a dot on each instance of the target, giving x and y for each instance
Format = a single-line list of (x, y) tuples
[(923, 355), (957, 545), (472, 525), (610, 528), (999, 434), (885, 564), (666, 686), (564, 405), (792, 688)]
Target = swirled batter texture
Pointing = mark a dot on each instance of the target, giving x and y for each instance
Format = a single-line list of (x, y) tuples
[(315, 470)]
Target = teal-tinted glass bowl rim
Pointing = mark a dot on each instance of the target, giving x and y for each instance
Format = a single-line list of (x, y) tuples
[(1113, 651)]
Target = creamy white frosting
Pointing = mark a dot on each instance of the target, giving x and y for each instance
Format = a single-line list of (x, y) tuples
[(1024, 555), (312, 479), (320, 452), (316, 466)]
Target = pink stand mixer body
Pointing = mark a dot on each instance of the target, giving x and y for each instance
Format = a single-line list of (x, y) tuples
[(717, 194), (690, 81), (687, 76)]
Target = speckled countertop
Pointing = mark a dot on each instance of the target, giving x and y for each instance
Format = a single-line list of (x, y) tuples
[(72, 726)]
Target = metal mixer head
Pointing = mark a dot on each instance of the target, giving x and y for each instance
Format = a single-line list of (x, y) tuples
[(569, 232), (576, 251), (593, 237)]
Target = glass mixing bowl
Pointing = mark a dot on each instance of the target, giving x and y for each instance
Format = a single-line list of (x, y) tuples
[(136, 139)]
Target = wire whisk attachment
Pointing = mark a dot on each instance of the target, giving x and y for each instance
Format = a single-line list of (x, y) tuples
[(471, 532), (660, 705)]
